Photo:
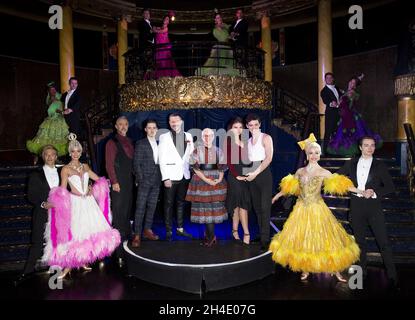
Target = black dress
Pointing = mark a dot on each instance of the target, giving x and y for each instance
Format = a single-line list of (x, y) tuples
[(238, 191)]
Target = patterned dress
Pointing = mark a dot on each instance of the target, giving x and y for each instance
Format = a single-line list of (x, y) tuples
[(208, 202)]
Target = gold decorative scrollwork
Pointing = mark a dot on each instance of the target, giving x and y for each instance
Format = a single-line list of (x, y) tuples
[(405, 85), (196, 92)]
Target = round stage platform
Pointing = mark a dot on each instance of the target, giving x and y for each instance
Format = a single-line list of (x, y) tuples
[(190, 267)]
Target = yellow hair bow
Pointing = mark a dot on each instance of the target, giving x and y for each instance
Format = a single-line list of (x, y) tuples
[(311, 138)]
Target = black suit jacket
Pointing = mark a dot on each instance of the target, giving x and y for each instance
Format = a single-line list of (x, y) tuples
[(74, 118), (328, 96), (242, 29), (379, 178), (145, 168), (38, 192), (146, 36)]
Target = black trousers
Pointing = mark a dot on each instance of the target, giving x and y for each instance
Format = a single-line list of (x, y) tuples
[(40, 218), (368, 212), (121, 203), (261, 196), (175, 196), (330, 124)]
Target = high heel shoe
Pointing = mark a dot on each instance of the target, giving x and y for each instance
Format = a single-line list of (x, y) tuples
[(304, 276), (340, 277), (86, 268), (65, 272), (235, 235), (211, 242), (246, 235)]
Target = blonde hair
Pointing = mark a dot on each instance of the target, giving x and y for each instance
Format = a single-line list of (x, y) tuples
[(46, 148), (73, 143), (312, 145)]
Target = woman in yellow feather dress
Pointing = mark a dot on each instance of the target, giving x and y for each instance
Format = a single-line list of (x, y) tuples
[(312, 240)]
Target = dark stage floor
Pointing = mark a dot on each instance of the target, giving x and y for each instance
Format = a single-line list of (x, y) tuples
[(110, 283)]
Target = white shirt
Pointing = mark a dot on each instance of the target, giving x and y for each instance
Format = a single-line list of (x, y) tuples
[(149, 23), (363, 168), (155, 148), (68, 96), (237, 21), (52, 176), (333, 88), (256, 152)]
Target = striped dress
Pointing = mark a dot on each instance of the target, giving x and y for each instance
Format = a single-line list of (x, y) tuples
[(208, 202)]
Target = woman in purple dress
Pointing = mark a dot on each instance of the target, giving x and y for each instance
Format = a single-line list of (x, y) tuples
[(351, 127), (165, 65)]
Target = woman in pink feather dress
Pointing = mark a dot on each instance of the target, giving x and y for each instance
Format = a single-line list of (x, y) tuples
[(79, 230)]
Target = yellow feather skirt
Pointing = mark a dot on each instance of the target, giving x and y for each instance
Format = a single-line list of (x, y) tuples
[(312, 240)]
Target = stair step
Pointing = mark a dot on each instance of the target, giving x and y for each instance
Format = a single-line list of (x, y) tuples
[(18, 252), (16, 210), (12, 187), (15, 223), (12, 265), (393, 171), (14, 237)]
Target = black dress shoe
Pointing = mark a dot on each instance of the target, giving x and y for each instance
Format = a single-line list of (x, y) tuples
[(169, 235), (184, 234)]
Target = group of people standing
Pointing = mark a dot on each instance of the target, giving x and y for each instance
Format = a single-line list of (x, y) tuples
[(82, 224), (169, 163), (221, 59)]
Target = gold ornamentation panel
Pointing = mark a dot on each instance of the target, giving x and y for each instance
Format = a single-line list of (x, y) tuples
[(405, 85), (196, 92)]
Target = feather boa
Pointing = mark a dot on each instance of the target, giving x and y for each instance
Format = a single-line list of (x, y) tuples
[(100, 191), (290, 185), (60, 216), (337, 184)]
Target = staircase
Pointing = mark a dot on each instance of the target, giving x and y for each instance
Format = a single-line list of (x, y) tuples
[(15, 217), (399, 210)]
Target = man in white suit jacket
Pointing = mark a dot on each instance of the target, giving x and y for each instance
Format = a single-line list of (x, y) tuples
[(175, 148)]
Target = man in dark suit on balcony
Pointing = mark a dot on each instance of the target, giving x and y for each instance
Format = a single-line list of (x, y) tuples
[(330, 95), (145, 29), (148, 178), (239, 30)]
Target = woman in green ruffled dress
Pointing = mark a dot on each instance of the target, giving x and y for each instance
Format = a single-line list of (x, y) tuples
[(220, 61), (53, 130)]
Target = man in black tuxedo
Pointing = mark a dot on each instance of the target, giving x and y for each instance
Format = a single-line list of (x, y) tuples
[(40, 183), (330, 95), (145, 29), (371, 176), (239, 30), (148, 178), (72, 107)]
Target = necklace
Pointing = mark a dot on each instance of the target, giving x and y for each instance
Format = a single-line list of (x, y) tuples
[(78, 169), (310, 168)]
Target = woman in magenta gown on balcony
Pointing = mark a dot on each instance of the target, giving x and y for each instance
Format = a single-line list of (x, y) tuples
[(165, 65)]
